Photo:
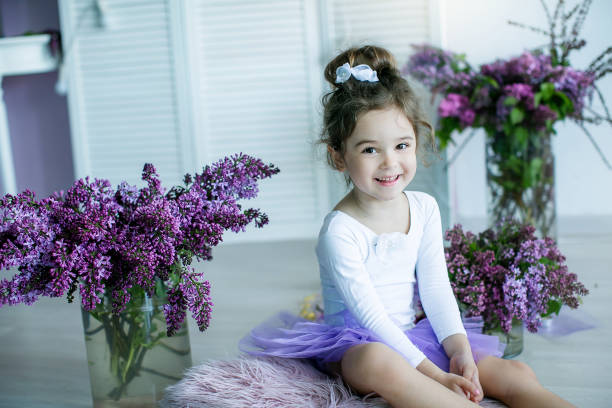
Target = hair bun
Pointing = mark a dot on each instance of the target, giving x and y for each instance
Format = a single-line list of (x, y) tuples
[(377, 58)]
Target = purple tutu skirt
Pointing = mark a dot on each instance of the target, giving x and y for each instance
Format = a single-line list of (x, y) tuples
[(290, 336)]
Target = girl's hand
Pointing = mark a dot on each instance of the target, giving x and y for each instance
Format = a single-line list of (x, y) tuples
[(463, 364), (461, 386)]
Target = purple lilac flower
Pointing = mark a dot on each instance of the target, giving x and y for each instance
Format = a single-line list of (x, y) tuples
[(455, 105), (506, 273), (431, 66), (478, 98), (105, 243), (515, 299), (524, 97), (577, 85), (522, 92), (462, 80), (174, 310), (527, 68)]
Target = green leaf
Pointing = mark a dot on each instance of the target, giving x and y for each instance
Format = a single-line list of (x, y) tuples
[(445, 130), (547, 89), (537, 98), (516, 115), (491, 82), (521, 136), (567, 106), (159, 288), (547, 261), (508, 129), (536, 165), (508, 185), (510, 101), (443, 139), (534, 172), (554, 306), (555, 107), (515, 164)]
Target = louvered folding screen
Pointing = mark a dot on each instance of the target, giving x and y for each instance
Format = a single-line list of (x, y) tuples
[(258, 81), (395, 25), (122, 89), (184, 83)]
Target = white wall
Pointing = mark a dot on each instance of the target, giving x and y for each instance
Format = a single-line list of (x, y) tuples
[(479, 29)]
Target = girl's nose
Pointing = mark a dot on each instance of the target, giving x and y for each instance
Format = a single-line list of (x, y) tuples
[(388, 160)]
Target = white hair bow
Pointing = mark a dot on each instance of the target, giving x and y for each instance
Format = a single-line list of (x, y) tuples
[(361, 73)]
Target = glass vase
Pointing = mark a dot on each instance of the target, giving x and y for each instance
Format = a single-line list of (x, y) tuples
[(131, 359), (521, 179), (513, 339)]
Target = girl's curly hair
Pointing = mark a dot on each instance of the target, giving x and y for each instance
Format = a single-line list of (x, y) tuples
[(347, 101)]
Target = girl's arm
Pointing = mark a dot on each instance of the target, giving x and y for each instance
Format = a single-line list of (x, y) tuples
[(439, 301), (435, 291), (456, 344)]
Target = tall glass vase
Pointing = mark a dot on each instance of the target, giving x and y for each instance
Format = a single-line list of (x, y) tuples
[(521, 179), (513, 339), (131, 359)]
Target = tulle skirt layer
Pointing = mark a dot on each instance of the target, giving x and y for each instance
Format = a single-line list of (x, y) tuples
[(290, 336)]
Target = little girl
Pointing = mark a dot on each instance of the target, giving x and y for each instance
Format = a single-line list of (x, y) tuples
[(375, 244)]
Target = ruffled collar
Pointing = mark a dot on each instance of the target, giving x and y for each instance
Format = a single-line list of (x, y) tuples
[(385, 242), (385, 235)]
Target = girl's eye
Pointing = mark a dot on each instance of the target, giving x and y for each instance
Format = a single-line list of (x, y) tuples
[(369, 150), (402, 146)]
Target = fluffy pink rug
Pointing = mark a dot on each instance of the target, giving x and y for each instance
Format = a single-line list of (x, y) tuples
[(265, 382)]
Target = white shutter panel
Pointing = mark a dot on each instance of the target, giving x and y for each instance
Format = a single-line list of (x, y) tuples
[(395, 25), (256, 64), (122, 90)]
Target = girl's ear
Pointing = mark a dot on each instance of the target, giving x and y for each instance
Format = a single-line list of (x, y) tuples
[(336, 158)]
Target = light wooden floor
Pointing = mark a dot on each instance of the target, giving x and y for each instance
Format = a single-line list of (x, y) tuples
[(42, 350)]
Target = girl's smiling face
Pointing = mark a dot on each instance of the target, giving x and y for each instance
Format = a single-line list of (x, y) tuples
[(380, 154)]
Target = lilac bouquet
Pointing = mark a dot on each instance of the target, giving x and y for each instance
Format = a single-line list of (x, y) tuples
[(506, 273), (103, 241), (517, 102), (119, 248), (528, 93)]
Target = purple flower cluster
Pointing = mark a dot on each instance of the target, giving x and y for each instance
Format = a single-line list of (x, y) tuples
[(455, 105), (529, 83), (108, 243), (527, 68), (431, 66), (578, 86), (507, 273)]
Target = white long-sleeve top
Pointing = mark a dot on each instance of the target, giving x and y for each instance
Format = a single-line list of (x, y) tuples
[(373, 276)]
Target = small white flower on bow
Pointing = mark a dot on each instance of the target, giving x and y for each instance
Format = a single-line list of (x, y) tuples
[(361, 73)]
